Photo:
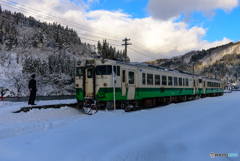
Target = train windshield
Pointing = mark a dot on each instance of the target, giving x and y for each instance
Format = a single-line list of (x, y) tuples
[(79, 71), (104, 70)]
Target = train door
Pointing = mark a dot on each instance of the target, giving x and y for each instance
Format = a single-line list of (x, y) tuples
[(123, 82), (131, 84), (194, 86), (197, 84), (204, 87), (89, 82)]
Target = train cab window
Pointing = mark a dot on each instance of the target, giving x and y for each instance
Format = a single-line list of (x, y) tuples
[(104, 70), (183, 81), (170, 81), (118, 70), (143, 78), (164, 80), (150, 79), (180, 81), (131, 77), (123, 76), (90, 73), (175, 81), (200, 81), (79, 71), (157, 79), (187, 84)]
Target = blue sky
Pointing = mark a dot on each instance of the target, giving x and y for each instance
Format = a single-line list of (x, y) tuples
[(136, 8), (221, 25)]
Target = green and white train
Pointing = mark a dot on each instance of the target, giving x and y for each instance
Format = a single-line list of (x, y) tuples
[(137, 85)]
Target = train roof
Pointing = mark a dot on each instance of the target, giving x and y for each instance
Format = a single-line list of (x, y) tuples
[(148, 66)]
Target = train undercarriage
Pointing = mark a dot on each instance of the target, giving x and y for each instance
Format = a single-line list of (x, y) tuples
[(92, 106)]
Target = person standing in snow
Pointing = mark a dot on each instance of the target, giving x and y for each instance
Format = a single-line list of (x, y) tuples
[(33, 90)]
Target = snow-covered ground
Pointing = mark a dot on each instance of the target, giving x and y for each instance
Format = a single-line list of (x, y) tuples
[(183, 131)]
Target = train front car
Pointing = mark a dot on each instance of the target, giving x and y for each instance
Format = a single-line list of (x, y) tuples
[(94, 82)]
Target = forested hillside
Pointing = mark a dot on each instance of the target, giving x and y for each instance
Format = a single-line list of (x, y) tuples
[(48, 50)]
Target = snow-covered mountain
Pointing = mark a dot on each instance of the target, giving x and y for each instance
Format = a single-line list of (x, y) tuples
[(222, 60)]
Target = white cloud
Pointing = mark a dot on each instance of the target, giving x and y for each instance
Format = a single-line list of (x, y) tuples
[(165, 9), (164, 36)]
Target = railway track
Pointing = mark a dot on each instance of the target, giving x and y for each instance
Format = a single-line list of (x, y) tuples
[(26, 109)]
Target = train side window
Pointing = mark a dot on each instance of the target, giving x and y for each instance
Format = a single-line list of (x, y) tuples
[(131, 77), (150, 79), (123, 75), (170, 81), (164, 80), (143, 78), (118, 70), (194, 82), (183, 81), (200, 81), (90, 73), (175, 81), (180, 81), (187, 82), (157, 79)]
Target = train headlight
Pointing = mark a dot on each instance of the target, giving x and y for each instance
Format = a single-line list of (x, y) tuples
[(104, 84), (103, 61), (77, 85), (79, 63)]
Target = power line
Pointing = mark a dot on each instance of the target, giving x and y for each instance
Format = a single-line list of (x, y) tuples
[(142, 46), (87, 28), (142, 54), (61, 19)]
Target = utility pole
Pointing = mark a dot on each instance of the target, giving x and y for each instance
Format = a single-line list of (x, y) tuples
[(193, 67), (126, 44), (227, 82)]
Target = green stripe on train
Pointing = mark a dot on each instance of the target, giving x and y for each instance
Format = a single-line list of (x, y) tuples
[(79, 94), (214, 90), (106, 94)]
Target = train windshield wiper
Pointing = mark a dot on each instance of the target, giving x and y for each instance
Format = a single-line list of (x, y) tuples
[(99, 73)]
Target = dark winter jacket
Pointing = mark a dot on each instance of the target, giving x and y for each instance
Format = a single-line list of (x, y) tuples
[(32, 85)]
